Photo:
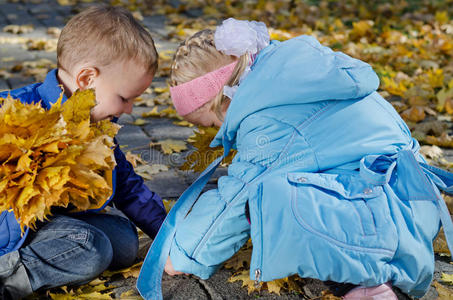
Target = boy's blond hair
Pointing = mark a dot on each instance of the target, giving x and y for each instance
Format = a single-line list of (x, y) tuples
[(197, 56), (102, 35)]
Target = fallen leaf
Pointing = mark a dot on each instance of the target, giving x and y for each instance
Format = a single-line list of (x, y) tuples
[(54, 32), (414, 114), (18, 29), (132, 271), (444, 292), (134, 159), (152, 113), (168, 205), (432, 152), (447, 278), (246, 281), (146, 171), (130, 295), (170, 146), (240, 259), (139, 122), (183, 123)]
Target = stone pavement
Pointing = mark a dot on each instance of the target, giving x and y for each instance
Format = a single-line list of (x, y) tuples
[(169, 184)]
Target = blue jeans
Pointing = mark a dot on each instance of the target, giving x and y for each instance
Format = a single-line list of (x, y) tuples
[(75, 249)]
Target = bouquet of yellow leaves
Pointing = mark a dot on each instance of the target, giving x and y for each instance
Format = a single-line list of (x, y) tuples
[(53, 157)]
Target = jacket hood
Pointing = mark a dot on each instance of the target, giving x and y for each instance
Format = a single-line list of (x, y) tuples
[(296, 71)]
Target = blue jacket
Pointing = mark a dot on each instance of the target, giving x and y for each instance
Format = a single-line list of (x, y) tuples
[(336, 187), (130, 194)]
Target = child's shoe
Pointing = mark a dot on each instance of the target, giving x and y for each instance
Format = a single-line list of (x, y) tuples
[(380, 292)]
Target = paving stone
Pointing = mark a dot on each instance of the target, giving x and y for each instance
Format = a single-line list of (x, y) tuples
[(138, 110), (15, 51), (156, 25), (154, 22), (442, 265), (17, 82), (37, 9), (3, 85), (3, 21), (167, 184), (182, 287), (132, 136), (65, 11), (125, 119), (38, 32), (9, 8), (160, 129), (22, 17), (54, 20)]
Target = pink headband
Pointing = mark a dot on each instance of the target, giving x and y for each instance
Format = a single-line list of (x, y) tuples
[(189, 96)]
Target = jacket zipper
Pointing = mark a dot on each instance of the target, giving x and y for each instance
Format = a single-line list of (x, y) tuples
[(258, 251)]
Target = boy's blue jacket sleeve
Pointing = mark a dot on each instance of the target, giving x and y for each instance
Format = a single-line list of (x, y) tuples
[(133, 197)]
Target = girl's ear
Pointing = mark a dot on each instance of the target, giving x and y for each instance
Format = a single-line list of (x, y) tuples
[(85, 77)]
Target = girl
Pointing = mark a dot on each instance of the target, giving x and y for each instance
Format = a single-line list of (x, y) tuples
[(326, 171)]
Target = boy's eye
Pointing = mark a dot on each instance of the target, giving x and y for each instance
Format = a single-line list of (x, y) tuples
[(123, 99)]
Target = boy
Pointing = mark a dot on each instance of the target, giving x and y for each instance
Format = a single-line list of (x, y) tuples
[(106, 49)]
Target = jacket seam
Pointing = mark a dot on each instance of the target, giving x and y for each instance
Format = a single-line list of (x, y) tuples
[(308, 122), (398, 121), (208, 233), (356, 87)]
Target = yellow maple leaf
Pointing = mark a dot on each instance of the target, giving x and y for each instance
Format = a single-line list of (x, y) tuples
[(241, 259), (246, 281), (204, 155), (152, 113), (134, 159), (146, 171), (132, 271), (54, 157), (447, 278), (139, 122), (444, 292), (170, 146), (168, 204)]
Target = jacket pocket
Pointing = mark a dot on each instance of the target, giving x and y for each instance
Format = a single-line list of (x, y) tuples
[(335, 206), (318, 225)]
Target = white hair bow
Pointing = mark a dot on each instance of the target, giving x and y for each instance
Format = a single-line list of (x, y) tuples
[(237, 37)]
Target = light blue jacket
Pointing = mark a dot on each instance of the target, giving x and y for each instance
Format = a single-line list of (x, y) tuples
[(336, 187)]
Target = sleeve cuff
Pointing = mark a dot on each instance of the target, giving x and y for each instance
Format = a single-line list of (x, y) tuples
[(183, 263)]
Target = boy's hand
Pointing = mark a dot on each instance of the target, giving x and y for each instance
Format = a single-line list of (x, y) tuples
[(169, 269)]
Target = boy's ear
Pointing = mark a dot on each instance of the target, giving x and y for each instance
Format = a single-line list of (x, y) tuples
[(85, 77)]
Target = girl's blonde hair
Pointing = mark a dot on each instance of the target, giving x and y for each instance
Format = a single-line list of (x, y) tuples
[(198, 56)]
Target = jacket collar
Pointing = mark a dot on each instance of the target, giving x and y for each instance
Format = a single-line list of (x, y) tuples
[(50, 90)]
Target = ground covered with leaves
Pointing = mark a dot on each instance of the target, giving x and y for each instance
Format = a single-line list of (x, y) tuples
[(408, 43)]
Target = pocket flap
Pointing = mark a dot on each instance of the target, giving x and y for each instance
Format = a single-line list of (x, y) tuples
[(347, 185)]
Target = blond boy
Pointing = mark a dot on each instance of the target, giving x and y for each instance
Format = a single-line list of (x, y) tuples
[(106, 49)]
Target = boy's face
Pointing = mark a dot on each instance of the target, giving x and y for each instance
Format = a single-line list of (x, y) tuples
[(116, 87)]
